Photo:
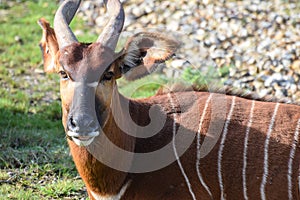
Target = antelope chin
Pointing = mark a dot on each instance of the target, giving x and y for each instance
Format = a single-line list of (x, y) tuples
[(82, 140)]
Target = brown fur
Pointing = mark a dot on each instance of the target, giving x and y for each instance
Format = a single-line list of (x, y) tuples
[(171, 183), (48, 45), (89, 63), (168, 183), (228, 90)]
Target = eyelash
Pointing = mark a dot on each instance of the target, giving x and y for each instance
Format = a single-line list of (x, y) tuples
[(63, 75)]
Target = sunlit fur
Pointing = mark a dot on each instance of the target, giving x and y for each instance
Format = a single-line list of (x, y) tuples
[(271, 140)]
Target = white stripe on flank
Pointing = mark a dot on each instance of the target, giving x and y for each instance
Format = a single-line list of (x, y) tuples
[(112, 197), (298, 179), (290, 165), (266, 155), (222, 147), (245, 149), (198, 146), (175, 151)]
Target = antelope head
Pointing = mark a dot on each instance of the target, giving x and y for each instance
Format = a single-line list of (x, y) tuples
[(89, 71)]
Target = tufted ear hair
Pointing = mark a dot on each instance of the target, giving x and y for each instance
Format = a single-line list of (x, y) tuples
[(49, 46), (143, 52)]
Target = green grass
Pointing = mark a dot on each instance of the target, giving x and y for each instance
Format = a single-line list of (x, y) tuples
[(141, 88), (34, 157)]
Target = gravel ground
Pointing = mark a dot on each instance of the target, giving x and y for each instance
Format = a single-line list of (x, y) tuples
[(258, 41)]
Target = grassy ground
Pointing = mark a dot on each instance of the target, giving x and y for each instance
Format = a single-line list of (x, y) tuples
[(34, 157)]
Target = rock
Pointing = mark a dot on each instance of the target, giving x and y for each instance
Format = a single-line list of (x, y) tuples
[(258, 39), (178, 63), (296, 66)]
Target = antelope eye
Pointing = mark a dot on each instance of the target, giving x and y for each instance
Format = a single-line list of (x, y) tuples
[(63, 75), (108, 76)]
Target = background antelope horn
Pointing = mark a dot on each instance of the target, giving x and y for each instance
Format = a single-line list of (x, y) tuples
[(62, 19)]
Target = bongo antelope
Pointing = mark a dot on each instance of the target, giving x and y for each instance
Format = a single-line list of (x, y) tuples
[(240, 148)]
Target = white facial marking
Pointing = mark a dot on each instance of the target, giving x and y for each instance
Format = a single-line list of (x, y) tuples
[(290, 164), (266, 155), (245, 150), (198, 146), (175, 151), (94, 84), (227, 122), (77, 84)]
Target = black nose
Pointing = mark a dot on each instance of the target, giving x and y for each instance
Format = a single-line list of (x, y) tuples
[(82, 124)]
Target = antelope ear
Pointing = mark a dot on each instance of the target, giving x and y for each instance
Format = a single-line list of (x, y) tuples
[(48, 45), (143, 52)]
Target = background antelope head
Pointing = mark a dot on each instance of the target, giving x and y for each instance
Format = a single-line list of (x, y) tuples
[(89, 71)]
